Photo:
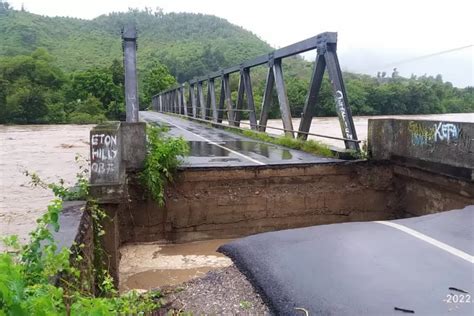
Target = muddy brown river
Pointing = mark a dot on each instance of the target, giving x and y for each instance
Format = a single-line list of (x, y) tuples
[(50, 151)]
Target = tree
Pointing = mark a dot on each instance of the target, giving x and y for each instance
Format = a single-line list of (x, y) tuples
[(296, 90), (157, 79), (86, 111), (4, 7), (97, 82), (3, 100), (26, 105), (116, 69), (29, 84)]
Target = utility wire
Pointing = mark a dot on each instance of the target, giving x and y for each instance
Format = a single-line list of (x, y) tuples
[(409, 60)]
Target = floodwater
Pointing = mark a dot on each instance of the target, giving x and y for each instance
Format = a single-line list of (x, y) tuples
[(330, 125), (148, 266), (48, 150)]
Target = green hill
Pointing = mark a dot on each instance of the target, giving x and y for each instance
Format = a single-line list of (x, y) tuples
[(189, 44), (78, 76)]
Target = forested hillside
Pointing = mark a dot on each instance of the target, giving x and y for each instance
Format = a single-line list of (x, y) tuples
[(61, 69), (188, 44)]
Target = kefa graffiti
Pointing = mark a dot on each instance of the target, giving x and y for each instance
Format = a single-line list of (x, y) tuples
[(427, 134), (104, 153), (446, 131)]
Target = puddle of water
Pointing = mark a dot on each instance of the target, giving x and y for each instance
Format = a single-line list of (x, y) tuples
[(258, 148), (148, 266), (286, 155), (204, 149)]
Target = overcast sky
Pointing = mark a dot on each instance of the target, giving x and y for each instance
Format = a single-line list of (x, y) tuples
[(372, 34)]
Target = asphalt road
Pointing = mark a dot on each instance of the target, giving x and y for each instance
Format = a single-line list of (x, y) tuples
[(421, 266), (212, 147)]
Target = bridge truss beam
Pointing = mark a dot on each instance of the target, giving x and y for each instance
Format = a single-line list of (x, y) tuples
[(325, 44)]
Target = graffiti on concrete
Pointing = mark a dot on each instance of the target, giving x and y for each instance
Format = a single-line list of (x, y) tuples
[(104, 152), (423, 133), (446, 131)]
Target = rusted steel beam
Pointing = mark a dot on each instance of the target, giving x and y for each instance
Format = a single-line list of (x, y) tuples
[(192, 96), (202, 105), (220, 107), (249, 95), (283, 98), (267, 99), (294, 49), (183, 99), (211, 99), (240, 100), (311, 101), (228, 99), (340, 97)]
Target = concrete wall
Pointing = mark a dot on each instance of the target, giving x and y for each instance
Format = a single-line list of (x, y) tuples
[(76, 233), (423, 192), (433, 162), (234, 202), (442, 147)]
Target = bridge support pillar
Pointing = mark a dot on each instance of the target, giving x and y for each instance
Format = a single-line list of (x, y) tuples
[(129, 37), (117, 149)]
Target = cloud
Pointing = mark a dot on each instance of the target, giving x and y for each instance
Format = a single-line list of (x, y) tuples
[(371, 32)]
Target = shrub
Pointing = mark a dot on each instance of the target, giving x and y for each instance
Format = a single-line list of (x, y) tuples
[(162, 160), (28, 274)]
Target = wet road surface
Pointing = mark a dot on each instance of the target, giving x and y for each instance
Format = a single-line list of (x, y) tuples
[(422, 265), (212, 147)]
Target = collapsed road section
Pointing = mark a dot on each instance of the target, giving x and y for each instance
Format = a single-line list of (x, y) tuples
[(419, 265)]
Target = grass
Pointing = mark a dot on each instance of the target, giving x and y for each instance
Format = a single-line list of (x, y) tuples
[(309, 146), (245, 304)]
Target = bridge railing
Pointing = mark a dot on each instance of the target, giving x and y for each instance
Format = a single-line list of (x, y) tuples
[(174, 100)]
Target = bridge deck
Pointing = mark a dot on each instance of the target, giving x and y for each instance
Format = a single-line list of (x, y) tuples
[(212, 147)]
